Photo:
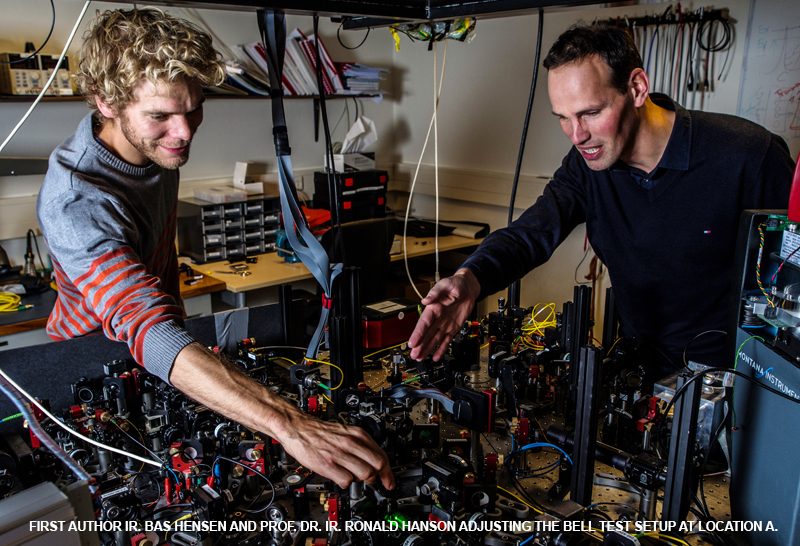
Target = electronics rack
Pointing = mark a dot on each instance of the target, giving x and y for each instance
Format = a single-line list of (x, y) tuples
[(765, 479)]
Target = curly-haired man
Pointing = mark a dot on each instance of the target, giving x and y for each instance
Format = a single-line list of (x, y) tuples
[(107, 208)]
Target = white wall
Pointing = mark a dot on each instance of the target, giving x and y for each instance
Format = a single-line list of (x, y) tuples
[(233, 129), (480, 118), (481, 114)]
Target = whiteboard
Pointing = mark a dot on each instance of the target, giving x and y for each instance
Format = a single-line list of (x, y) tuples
[(770, 90)]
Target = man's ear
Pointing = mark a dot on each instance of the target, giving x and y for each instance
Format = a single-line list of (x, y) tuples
[(639, 86), (105, 109)]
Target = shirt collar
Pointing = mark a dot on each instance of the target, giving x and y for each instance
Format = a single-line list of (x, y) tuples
[(676, 154)]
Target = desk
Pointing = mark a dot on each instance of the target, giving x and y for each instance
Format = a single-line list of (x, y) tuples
[(29, 319), (32, 321), (270, 270)]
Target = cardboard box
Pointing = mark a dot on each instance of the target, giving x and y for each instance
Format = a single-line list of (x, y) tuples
[(362, 161)]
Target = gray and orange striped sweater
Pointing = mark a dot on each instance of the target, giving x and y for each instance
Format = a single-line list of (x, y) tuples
[(110, 228)]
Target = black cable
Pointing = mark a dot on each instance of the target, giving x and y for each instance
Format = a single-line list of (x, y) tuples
[(31, 233), (528, 111), (577, 267), (514, 289), (47, 39), (718, 45), (689, 80), (526, 497), (254, 471), (139, 491), (679, 58), (488, 441), (332, 190), (731, 33), (695, 338), (341, 43), (138, 443)]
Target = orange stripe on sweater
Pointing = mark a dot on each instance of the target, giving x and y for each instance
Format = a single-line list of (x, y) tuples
[(99, 262)]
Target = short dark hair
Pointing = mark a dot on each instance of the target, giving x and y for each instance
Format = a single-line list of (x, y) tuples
[(614, 44)]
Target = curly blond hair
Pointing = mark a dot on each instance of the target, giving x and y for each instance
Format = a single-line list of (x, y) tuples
[(125, 46)]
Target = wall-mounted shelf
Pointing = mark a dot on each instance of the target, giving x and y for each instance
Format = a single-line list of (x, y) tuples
[(30, 98), (214, 96)]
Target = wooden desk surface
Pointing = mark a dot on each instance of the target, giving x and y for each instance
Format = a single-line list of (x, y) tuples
[(270, 270), (206, 285), (36, 318)]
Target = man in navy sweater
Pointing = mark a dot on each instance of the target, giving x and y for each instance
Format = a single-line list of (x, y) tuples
[(661, 190)]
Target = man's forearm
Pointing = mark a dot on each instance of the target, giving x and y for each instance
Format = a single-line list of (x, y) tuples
[(201, 376), (333, 450)]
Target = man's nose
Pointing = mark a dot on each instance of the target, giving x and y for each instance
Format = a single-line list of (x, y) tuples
[(578, 134), (181, 128)]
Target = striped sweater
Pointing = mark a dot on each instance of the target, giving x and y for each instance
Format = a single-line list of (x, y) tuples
[(110, 228)]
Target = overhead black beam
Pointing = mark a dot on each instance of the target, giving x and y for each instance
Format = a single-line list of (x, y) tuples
[(379, 12), (395, 9)]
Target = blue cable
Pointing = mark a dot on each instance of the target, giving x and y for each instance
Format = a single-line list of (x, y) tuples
[(174, 475), (216, 471), (545, 444), (527, 540)]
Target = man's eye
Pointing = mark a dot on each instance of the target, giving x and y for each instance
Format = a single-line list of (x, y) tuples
[(158, 117)]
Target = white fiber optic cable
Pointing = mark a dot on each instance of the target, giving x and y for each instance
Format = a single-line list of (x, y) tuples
[(416, 173), (57, 421), (50, 79), (435, 171)]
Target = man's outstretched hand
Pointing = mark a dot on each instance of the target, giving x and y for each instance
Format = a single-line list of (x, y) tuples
[(447, 306)]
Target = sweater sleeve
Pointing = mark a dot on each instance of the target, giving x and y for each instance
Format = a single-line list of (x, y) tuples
[(92, 241), (510, 253)]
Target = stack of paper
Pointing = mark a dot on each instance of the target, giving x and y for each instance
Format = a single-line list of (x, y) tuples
[(359, 78), (299, 68)]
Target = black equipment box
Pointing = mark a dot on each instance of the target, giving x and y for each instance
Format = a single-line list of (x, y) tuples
[(361, 194), (209, 232)]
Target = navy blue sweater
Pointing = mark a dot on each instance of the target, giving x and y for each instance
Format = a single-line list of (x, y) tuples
[(669, 250)]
